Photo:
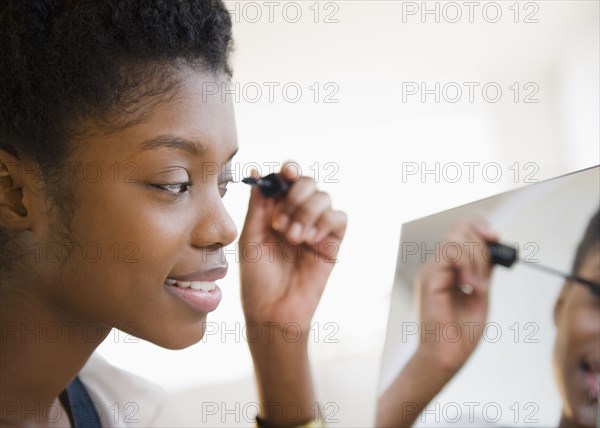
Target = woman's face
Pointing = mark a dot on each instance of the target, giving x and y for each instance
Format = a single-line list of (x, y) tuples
[(577, 346), (132, 235)]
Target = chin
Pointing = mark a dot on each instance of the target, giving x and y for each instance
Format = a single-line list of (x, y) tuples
[(177, 337), (583, 411), (586, 415)]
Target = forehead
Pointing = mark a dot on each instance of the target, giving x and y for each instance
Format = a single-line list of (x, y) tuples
[(197, 111), (194, 110)]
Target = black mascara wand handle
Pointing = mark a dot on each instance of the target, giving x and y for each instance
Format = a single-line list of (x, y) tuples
[(504, 255), (500, 254), (271, 186)]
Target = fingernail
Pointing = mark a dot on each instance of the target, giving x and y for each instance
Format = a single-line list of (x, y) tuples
[(311, 234), (283, 221), (295, 231), (483, 229), (466, 288)]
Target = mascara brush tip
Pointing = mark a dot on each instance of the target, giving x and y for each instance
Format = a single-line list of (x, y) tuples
[(249, 180)]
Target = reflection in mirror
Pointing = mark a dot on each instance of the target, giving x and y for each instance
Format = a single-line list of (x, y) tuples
[(495, 312)]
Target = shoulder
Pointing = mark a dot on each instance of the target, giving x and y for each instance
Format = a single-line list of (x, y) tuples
[(121, 398)]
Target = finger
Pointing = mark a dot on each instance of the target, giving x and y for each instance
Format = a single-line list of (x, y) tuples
[(458, 251), (436, 277), (299, 193), (291, 171), (482, 227), (330, 233), (485, 233), (331, 223), (475, 247), (305, 215), (259, 211)]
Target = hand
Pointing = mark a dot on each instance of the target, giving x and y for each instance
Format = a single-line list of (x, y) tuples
[(453, 292), (288, 249), (454, 296)]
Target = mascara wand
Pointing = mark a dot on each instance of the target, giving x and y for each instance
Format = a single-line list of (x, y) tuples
[(271, 186), (506, 256)]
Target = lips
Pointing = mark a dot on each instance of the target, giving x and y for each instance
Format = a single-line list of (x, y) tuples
[(591, 377), (198, 289), (210, 275)]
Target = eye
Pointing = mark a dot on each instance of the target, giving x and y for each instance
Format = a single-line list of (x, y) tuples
[(176, 189), (594, 291)]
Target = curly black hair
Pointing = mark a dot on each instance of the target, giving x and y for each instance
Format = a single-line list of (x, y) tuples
[(65, 62), (591, 237)]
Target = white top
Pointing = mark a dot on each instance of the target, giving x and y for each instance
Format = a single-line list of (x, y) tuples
[(122, 399)]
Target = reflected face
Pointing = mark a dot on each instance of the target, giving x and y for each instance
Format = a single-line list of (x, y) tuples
[(577, 346), (149, 210)]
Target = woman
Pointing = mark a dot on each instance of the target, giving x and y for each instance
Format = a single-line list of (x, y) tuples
[(114, 164)]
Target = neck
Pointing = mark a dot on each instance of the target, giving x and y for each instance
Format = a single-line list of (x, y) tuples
[(42, 351)]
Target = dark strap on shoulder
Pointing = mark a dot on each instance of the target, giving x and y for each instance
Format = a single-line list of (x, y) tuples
[(79, 406)]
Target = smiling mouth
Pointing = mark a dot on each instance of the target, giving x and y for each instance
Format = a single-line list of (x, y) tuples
[(196, 285), (200, 280)]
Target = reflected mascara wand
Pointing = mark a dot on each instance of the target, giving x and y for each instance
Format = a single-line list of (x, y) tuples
[(504, 255)]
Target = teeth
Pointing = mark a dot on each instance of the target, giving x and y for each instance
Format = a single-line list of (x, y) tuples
[(196, 285), (202, 285)]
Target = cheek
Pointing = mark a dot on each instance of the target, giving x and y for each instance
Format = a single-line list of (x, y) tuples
[(579, 331), (127, 246), (584, 323), (125, 286), (141, 241), (128, 226), (561, 346)]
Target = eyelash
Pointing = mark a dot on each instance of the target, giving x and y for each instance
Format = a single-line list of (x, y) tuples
[(187, 185), (595, 293), (166, 187)]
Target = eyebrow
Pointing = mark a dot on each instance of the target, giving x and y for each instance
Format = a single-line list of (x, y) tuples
[(172, 142), (177, 143)]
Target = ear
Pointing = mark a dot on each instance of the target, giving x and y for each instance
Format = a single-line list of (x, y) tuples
[(560, 303), (14, 216)]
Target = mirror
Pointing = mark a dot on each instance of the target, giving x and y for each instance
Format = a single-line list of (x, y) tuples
[(534, 363)]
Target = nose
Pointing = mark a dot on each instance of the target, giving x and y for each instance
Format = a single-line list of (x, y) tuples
[(215, 227)]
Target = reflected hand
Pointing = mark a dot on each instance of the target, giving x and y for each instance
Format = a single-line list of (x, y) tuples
[(454, 296)]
